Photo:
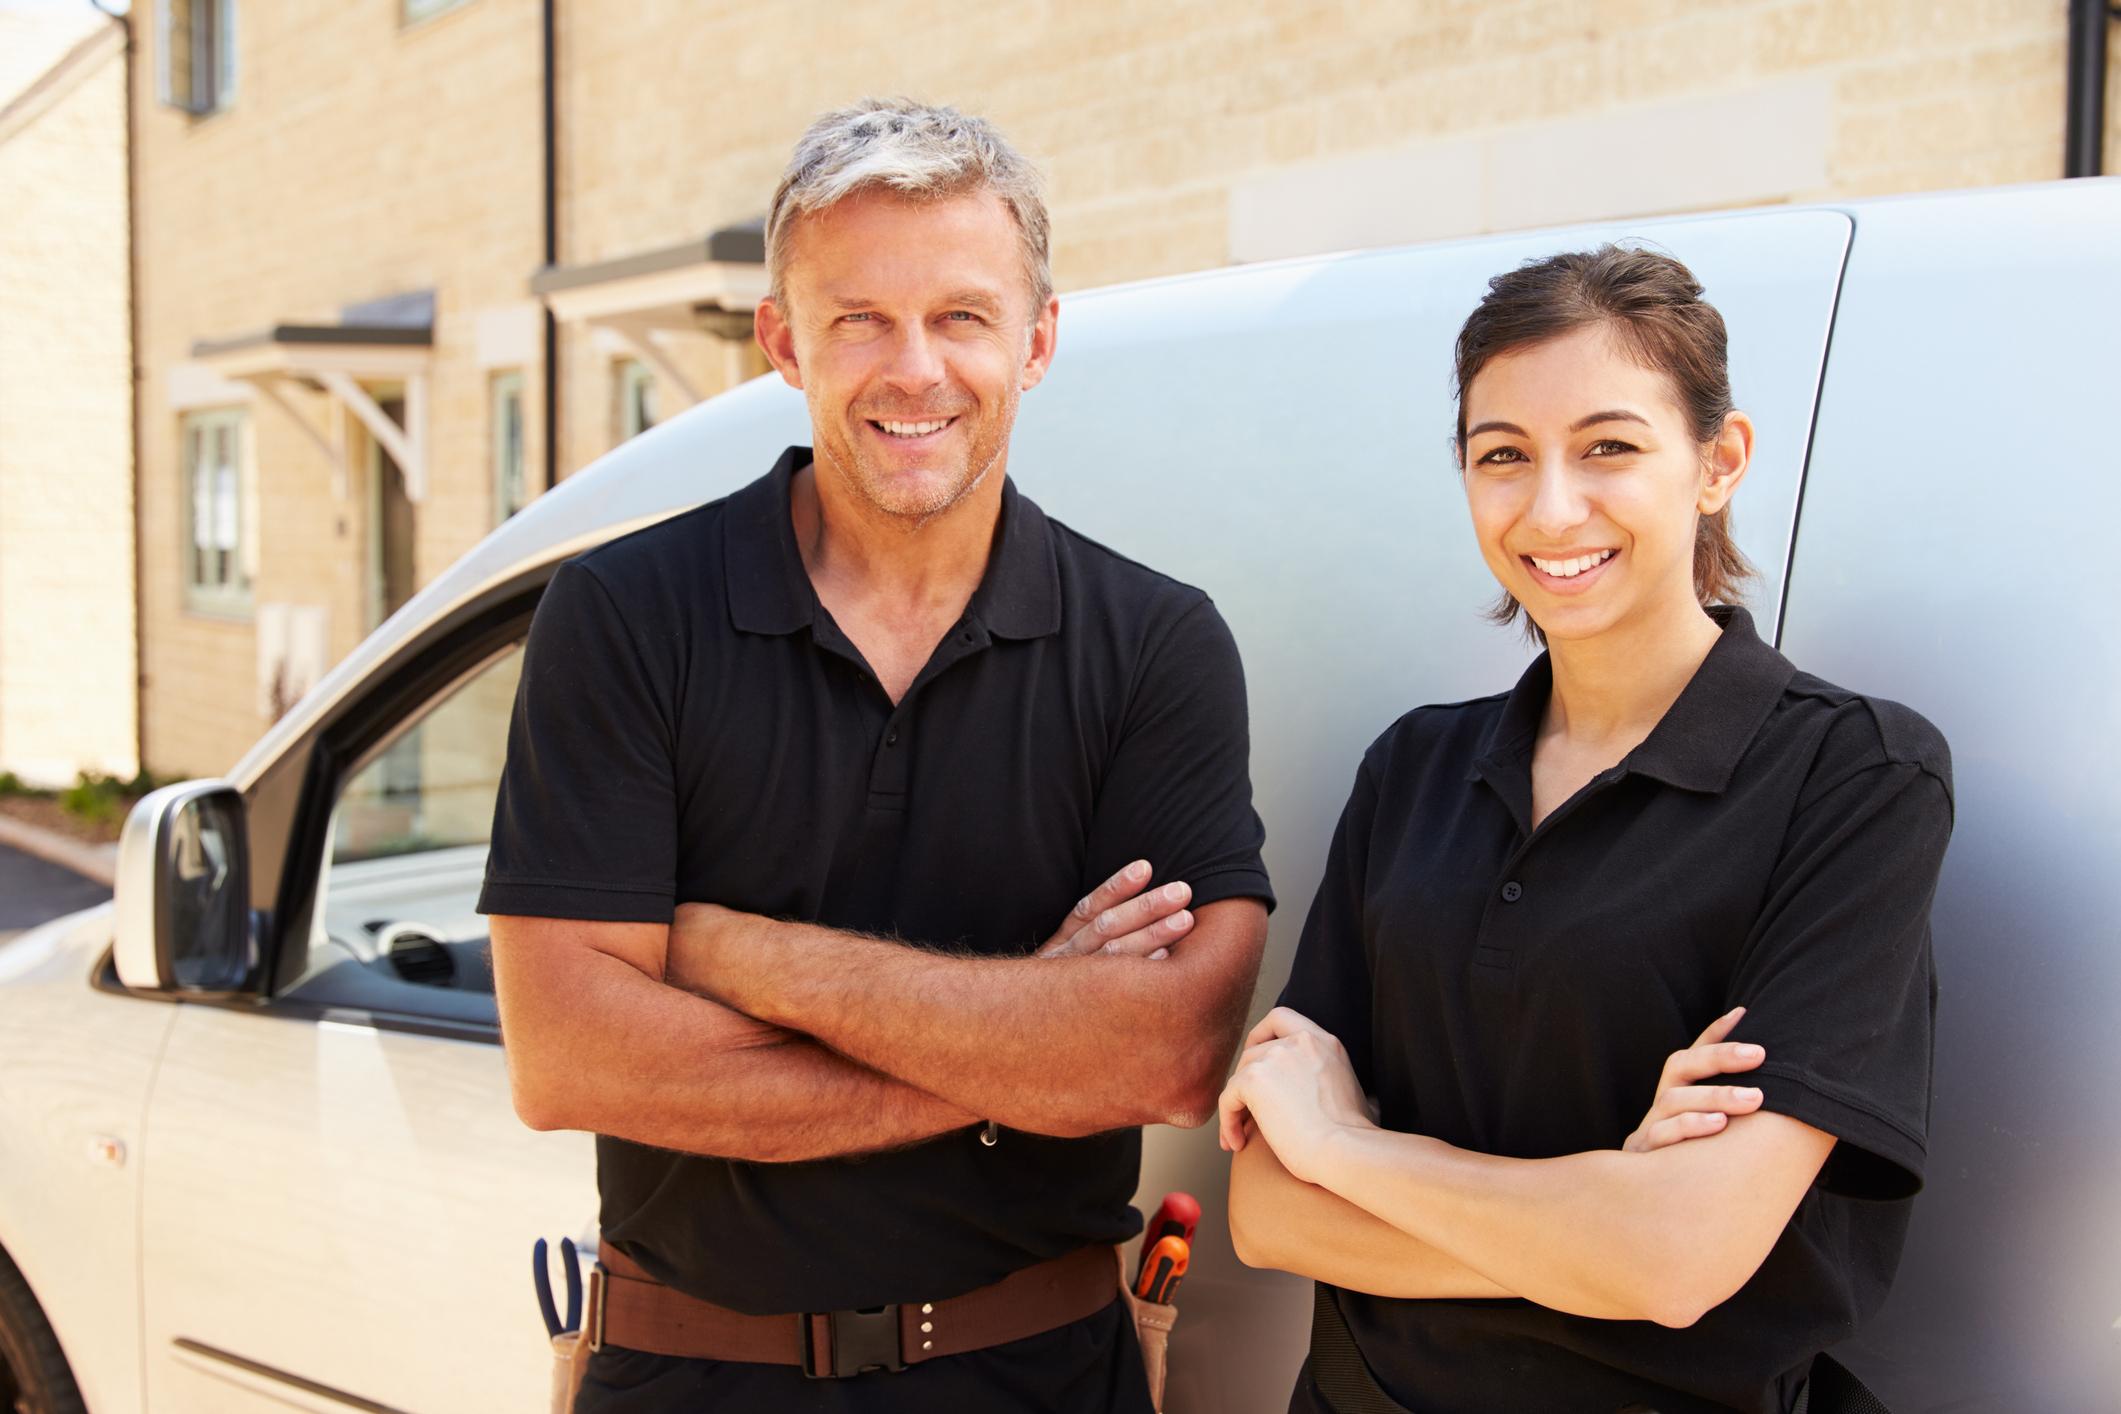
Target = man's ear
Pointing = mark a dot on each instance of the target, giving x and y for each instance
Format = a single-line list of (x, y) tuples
[(778, 340), (1045, 330), (1730, 456)]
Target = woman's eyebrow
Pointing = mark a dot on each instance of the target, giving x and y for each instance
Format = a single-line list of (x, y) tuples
[(1510, 427), (1609, 415)]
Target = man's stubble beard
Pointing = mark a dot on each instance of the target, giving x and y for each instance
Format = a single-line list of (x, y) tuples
[(868, 484)]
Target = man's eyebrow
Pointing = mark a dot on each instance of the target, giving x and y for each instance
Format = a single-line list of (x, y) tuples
[(1609, 415), (974, 299)]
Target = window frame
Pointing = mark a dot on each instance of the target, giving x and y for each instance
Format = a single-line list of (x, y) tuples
[(210, 49), (413, 13), (506, 387), (234, 599), (629, 375)]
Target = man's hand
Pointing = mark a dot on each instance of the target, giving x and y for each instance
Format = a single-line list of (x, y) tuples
[(1117, 918), (1295, 1085), (1686, 1109)]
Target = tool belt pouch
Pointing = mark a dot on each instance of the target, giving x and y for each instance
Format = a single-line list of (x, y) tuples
[(1152, 1327), (570, 1361)]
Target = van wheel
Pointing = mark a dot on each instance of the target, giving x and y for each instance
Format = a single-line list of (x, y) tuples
[(34, 1378)]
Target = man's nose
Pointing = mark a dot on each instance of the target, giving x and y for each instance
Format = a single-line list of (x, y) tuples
[(915, 364), (1558, 502)]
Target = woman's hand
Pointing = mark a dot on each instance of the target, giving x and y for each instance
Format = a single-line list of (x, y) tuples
[(1685, 1109), (1295, 1084)]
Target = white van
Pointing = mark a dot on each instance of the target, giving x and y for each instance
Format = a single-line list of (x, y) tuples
[(256, 1145)]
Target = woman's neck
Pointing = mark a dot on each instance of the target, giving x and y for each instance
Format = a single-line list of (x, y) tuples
[(1612, 689)]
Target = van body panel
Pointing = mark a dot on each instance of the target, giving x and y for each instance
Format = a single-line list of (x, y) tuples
[(1955, 552)]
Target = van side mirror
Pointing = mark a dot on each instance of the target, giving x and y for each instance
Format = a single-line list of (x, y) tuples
[(183, 892)]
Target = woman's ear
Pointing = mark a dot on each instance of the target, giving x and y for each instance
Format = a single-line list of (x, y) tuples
[(1728, 459)]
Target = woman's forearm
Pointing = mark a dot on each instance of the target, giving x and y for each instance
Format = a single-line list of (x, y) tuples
[(1277, 1220), (1662, 1236)]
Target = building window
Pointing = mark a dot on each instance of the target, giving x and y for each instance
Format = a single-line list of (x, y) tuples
[(635, 389), (216, 549), (411, 12), (510, 493), (195, 54)]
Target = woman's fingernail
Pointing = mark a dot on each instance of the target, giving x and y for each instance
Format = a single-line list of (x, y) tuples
[(1139, 869), (1748, 1094), (1749, 1051)]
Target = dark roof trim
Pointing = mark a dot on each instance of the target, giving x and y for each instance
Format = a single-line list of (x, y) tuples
[(741, 244), (372, 335)]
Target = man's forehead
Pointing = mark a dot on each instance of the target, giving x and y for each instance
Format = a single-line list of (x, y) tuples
[(875, 244)]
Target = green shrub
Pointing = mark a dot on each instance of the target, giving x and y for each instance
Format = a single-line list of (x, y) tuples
[(96, 798)]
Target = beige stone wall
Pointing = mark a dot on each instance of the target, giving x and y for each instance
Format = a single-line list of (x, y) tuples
[(1149, 119), (359, 160), (66, 541)]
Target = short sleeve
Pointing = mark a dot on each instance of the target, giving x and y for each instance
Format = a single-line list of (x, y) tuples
[(1178, 789), (1837, 976), (1329, 981), (585, 825)]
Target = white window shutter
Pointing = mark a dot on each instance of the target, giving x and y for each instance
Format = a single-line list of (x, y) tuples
[(224, 52), (164, 90)]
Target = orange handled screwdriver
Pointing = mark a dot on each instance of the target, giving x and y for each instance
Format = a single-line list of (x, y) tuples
[(1162, 1266)]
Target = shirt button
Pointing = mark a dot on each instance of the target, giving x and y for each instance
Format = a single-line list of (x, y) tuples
[(891, 737), (1512, 891)]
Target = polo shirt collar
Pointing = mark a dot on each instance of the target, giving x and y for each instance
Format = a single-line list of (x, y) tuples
[(770, 592), (1697, 744)]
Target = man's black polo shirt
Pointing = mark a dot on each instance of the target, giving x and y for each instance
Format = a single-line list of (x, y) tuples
[(1773, 843), (692, 725)]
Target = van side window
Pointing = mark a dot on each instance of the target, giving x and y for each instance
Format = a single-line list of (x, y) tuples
[(397, 927)]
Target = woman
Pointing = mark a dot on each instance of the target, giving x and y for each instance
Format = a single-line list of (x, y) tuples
[(1534, 900)]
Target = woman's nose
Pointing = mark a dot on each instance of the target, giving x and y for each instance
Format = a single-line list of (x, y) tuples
[(1558, 503)]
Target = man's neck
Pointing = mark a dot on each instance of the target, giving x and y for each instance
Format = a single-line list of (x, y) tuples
[(854, 551)]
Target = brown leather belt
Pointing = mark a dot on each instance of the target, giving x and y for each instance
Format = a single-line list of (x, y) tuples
[(631, 1309)]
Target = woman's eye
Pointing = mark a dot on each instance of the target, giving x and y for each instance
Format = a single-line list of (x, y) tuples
[(1612, 447), (1499, 456)]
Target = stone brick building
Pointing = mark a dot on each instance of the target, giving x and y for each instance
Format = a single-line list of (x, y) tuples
[(66, 542), (343, 281)]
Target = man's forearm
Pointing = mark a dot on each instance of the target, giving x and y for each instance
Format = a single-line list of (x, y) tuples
[(1277, 1220), (611, 1050), (1064, 1046)]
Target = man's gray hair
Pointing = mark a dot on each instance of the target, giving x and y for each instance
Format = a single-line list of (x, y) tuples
[(918, 150)]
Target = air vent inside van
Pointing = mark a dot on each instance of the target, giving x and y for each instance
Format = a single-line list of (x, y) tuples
[(418, 957)]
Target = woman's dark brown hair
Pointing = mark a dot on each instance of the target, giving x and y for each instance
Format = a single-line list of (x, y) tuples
[(1653, 304)]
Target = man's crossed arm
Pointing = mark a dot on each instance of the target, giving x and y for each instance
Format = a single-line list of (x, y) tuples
[(809, 1043)]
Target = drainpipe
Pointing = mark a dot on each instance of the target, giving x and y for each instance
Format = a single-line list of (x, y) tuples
[(2085, 120), (132, 363), (552, 244)]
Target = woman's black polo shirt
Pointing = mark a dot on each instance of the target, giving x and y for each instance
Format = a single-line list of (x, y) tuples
[(1774, 843), (692, 724)]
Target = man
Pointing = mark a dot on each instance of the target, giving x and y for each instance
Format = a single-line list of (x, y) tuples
[(800, 784)]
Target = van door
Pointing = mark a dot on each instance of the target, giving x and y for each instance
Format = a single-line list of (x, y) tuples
[(339, 1199), (1957, 554), (1279, 436)]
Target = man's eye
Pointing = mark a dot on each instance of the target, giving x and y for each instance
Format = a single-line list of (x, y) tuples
[(963, 315), (859, 317)]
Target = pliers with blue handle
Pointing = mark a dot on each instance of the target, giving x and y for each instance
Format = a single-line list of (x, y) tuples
[(541, 1276)]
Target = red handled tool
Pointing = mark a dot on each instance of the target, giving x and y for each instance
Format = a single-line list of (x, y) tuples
[(1177, 1216), (1162, 1265)]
